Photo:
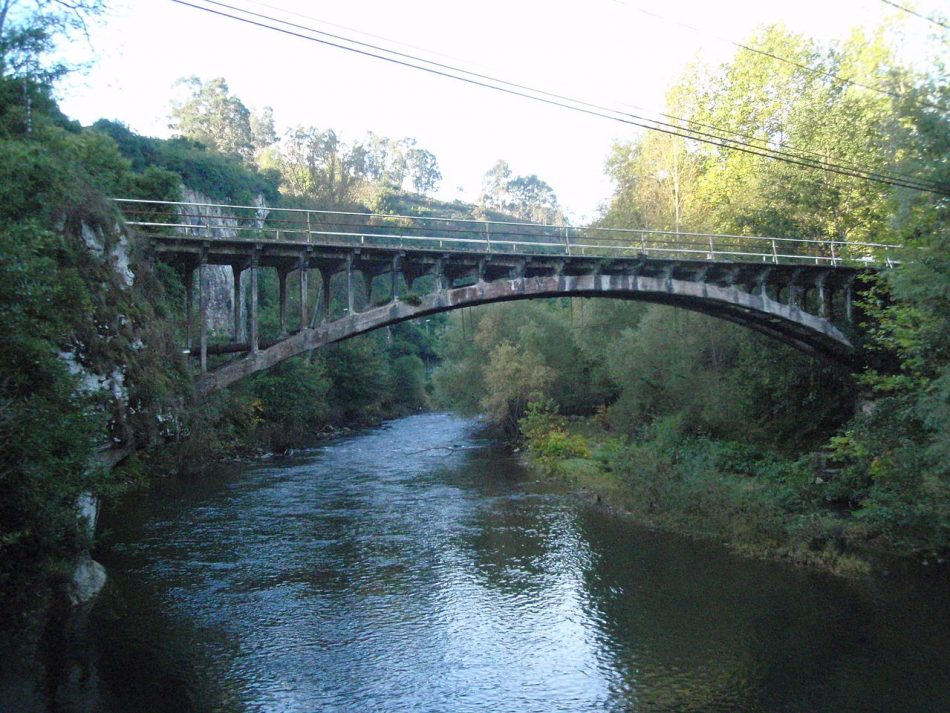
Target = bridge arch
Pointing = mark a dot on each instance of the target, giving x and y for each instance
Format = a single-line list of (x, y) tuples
[(797, 290), (811, 334)]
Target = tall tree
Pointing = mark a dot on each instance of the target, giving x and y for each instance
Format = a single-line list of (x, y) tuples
[(27, 29), (526, 197), (215, 117)]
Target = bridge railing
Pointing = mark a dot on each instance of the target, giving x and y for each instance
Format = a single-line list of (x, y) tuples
[(214, 221)]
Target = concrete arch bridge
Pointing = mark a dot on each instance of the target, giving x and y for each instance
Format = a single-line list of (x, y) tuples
[(397, 268)]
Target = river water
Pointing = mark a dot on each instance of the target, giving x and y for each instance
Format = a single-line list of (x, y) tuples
[(417, 567)]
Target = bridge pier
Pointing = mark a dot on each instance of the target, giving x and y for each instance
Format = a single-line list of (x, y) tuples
[(325, 276), (236, 271), (203, 308), (349, 285), (849, 301), (824, 301), (282, 300), (394, 274), (253, 316), (304, 270), (189, 280)]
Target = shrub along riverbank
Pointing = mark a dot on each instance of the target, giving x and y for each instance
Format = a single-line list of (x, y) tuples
[(756, 502)]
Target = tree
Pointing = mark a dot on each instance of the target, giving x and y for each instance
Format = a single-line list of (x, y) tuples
[(318, 165), (27, 29), (263, 134), (423, 170), (513, 379), (526, 197), (214, 117)]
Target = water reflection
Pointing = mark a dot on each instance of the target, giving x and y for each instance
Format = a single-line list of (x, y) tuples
[(396, 571)]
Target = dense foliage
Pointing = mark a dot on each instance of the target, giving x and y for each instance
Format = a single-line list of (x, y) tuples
[(705, 426)]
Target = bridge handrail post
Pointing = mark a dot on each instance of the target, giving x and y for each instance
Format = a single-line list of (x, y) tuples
[(488, 236), (567, 239), (774, 252), (309, 229), (834, 258), (712, 249)]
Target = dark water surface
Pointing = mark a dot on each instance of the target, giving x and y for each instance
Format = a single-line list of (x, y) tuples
[(386, 572)]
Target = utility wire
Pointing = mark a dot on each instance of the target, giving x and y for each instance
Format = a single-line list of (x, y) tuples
[(779, 58), (754, 139), (785, 152), (944, 25), (565, 102), (558, 100)]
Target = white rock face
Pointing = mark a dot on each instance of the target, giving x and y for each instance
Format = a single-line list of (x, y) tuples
[(91, 383), (120, 257), (89, 578), (94, 241), (88, 506), (219, 280)]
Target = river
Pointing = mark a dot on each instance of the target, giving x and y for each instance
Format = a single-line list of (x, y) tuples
[(417, 567)]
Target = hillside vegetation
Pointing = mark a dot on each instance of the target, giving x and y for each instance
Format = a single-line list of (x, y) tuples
[(708, 428)]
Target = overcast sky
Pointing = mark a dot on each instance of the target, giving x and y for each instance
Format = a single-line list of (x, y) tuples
[(605, 51)]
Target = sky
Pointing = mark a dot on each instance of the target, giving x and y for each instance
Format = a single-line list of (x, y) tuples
[(609, 52)]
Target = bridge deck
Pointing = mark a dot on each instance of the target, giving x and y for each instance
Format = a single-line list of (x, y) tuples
[(797, 290)]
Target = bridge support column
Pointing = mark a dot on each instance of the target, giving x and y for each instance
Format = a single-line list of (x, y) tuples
[(238, 325), (203, 308), (304, 270), (849, 302), (253, 335), (282, 300), (349, 285), (394, 273), (762, 283), (189, 280), (823, 298)]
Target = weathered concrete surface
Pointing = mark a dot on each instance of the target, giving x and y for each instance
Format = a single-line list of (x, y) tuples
[(811, 334)]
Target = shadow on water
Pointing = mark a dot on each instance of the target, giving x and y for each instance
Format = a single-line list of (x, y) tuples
[(416, 567)]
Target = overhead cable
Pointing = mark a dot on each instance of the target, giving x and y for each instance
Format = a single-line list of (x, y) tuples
[(779, 58), (402, 59), (944, 25), (753, 139)]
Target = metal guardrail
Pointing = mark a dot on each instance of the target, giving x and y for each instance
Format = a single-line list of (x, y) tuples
[(216, 221)]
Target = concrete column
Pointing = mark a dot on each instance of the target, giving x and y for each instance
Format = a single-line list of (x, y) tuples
[(304, 268), (203, 310), (189, 279), (349, 285), (253, 335), (394, 273), (794, 295), (236, 272), (824, 300), (439, 271), (367, 289), (326, 294), (282, 300), (849, 302)]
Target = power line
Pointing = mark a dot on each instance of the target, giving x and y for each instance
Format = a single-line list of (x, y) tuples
[(754, 139), (784, 150), (917, 14), (787, 153), (572, 104), (779, 58), (402, 59)]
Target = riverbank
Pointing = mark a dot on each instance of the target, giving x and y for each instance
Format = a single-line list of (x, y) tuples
[(756, 503)]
